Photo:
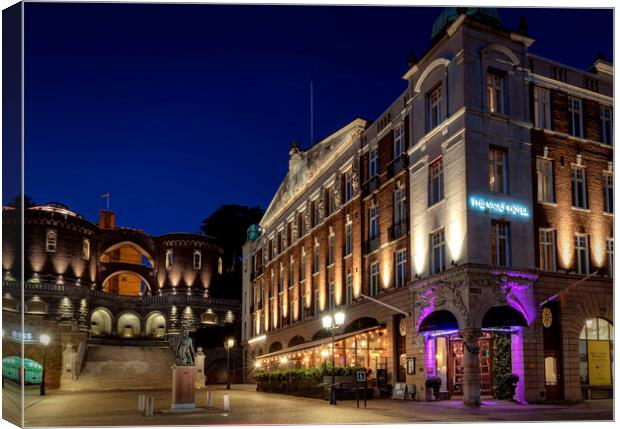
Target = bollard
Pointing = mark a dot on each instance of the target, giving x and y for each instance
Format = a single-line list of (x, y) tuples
[(227, 403), (210, 399), (149, 406), (141, 402)]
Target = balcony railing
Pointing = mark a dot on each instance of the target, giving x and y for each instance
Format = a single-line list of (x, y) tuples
[(398, 164), (372, 244), (370, 185), (398, 230)]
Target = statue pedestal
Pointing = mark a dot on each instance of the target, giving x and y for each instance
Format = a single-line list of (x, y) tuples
[(183, 379)]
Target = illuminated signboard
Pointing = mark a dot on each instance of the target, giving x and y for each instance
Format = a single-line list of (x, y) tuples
[(499, 207), (25, 337)]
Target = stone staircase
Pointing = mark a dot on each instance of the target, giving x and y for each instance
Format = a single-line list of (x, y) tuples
[(124, 366)]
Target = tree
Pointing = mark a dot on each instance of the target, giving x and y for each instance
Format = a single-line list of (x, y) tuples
[(16, 202), (228, 225)]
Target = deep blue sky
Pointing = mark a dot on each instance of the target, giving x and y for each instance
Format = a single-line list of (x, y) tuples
[(177, 109)]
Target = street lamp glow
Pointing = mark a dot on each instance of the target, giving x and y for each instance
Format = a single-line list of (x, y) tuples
[(257, 364), (339, 318), (327, 321), (44, 339), (324, 353), (283, 359), (230, 342)]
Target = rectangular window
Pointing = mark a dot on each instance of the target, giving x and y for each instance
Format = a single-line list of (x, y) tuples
[(289, 233), (50, 240), (544, 173), (348, 243), (316, 302), (169, 258), (331, 201), (435, 182), (373, 223), (498, 177), (291, 308), (400, 267), (575, 117), (315, 213), (348, 186), (262, 293), (438, 252), (374, 279), (433, 100), (546, 247), (197, 259), (495, 91), (582, 258), (282, 241), (542, 108), (609, 253), (281, 312), (270, 249), (86, 249), (304, 309), (373, 163), (301, 224), (331, 296), (606, 125), (331, 249), (349, 288), (315, 260), (580, 197), (291, 273), (281, 279), (500, 243), (400, 206), (302, 266), (399, 140), (608, 189)]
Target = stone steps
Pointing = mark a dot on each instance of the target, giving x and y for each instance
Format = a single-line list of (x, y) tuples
[(112, 367)]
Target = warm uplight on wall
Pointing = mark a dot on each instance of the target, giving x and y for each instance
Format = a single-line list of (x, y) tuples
[(565, 244), (419, 245), (455, 236)]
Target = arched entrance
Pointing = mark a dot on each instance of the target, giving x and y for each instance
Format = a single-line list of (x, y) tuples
[(127, 252), (126, 283), (595, 358), (155, 325), (128, 325), (101, 322)]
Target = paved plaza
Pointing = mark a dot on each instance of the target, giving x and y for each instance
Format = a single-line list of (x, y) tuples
[(251, 407)]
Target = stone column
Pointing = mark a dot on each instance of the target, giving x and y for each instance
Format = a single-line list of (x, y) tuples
[(471, 367)]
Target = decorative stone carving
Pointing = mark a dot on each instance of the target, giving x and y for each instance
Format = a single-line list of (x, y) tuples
[(83, 314), (173, 317), (337, 192), (355, 179), (65, 309)]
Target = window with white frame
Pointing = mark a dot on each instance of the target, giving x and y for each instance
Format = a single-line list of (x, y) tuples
[(197, 260), (495, 91), (575, 117), (374, 279), (498, 177), (609, 256), (608, 189), (349, 288), (606, 125), (331, 300), (373, 223), (291, 272), (400, 267), (400, 206), (435, 182), (331, 248), (546, 248), (169, 258), (399, 140), (500, 243), (434, 102), (348, 242), (582, 254), (542, 108), (373, 163), (544, 174), (302, 266), (51, 238), (438, 251), (580, 192), (348, 186), (86, 249), (315, 259)]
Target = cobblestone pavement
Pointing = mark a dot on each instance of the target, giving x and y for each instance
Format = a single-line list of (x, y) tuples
[(251, 407)]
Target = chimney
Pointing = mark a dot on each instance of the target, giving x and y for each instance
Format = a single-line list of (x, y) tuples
[(106, 219)]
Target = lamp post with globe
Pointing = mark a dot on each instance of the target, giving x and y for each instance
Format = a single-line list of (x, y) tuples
[(332, 323)]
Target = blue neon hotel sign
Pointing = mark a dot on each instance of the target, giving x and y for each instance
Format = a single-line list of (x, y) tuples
[(499, 207)]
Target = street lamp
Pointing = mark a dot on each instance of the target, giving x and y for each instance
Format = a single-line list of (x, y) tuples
[(228, 344), (332, 323), (45, 340)]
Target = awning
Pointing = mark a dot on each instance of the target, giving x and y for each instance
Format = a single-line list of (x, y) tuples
[(440, 320), (503, 316), (315, 343)]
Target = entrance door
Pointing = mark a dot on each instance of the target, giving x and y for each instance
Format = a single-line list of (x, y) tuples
[(455, 366), (400, 342), (552, 346)]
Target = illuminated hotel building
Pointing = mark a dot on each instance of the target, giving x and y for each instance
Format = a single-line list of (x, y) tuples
[(503, 162)]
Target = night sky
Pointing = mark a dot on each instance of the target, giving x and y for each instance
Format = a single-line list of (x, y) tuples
[(177, 109)]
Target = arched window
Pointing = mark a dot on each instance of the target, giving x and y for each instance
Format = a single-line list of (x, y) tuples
[(197, 259), (219, 265), (169, 258), (50, 240), (595, 347)]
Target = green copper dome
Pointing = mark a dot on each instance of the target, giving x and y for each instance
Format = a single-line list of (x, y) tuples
[(449, 14)]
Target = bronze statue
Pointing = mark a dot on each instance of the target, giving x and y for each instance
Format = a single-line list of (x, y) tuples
[(185, 350)]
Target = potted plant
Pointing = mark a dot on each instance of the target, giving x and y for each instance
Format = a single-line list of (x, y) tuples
[(508, 383), (434, 384)]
